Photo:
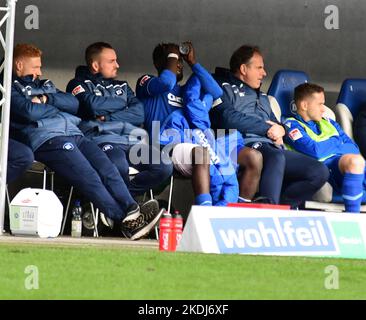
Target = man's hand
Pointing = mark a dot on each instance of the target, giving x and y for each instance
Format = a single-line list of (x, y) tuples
[(279, 142), (190, 58), (101, 118), (40, 99), (276, 131), (36, 100), (43, 98)]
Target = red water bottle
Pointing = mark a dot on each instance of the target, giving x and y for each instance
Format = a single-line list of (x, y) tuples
[(165, 234), (177, 230)]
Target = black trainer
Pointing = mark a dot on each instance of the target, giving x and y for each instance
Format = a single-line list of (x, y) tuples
[(140, 227)]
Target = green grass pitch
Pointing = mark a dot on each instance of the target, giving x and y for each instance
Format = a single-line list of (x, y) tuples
[(104, 272)]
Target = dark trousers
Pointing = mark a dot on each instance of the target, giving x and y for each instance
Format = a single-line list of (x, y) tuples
[(20, 158), (154, 167), (290, 177), (82, 163)]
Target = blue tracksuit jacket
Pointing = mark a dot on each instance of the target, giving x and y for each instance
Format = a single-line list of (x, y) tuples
[(223, 150), (337, 145), (114, 100), (36, 123), (162, 96), (242, 108)]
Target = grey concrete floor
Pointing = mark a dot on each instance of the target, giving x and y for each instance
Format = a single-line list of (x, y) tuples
[(83, 241)]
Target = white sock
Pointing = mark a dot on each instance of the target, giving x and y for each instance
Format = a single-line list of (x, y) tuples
[(241, 199)]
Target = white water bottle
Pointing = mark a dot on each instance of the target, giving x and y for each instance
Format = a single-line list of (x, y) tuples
[(76, 224)]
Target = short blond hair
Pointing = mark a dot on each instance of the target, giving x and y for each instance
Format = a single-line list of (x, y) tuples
[(26, 50)]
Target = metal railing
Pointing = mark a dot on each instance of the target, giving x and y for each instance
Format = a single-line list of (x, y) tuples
[(7, 45)]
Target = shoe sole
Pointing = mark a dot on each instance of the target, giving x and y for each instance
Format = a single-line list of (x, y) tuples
[(150, 206), (144, 231)]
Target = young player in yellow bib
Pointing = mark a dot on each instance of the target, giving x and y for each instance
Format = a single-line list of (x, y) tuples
[(312, 134)]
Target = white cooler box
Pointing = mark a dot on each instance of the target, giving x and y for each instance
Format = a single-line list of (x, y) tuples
[(36, 212)]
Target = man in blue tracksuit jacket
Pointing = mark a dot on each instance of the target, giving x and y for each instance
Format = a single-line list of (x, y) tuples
[(323, 139), (166, 116), (44, 118), (246, 108), (112, 117)]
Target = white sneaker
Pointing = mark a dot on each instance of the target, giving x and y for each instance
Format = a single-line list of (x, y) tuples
[(108, 222)]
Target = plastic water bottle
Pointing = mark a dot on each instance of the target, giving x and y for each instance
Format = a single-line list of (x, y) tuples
[(165, 226), (177, 230), (184, 48), (76, 223)]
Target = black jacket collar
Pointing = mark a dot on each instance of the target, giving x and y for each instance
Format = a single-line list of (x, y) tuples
[(83, 73), (27, 80), (225, 75)]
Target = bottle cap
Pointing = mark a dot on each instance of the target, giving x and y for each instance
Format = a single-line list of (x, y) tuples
[(177, 214), (166, 214), (184, 48)]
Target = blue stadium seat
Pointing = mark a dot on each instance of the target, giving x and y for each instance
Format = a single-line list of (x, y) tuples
[(350, 100), (282, 89)]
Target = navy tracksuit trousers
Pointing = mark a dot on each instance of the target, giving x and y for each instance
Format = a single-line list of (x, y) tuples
[(154, 166), (289, 177), (86, 167), (20, 158)]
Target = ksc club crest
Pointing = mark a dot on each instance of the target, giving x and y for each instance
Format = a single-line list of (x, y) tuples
[(107, 147), (293, 107), (68, 146)]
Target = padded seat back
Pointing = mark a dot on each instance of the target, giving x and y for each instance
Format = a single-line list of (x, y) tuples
[(351, 99), (282, 89)]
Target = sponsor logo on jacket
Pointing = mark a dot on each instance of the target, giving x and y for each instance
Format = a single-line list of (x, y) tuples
[(175, 100), (77, 90)]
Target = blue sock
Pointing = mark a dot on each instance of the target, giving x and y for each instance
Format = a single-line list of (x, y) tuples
[(352, 191), (203, 199)]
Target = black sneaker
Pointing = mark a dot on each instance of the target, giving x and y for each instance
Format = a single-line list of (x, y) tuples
[(140, 227)]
